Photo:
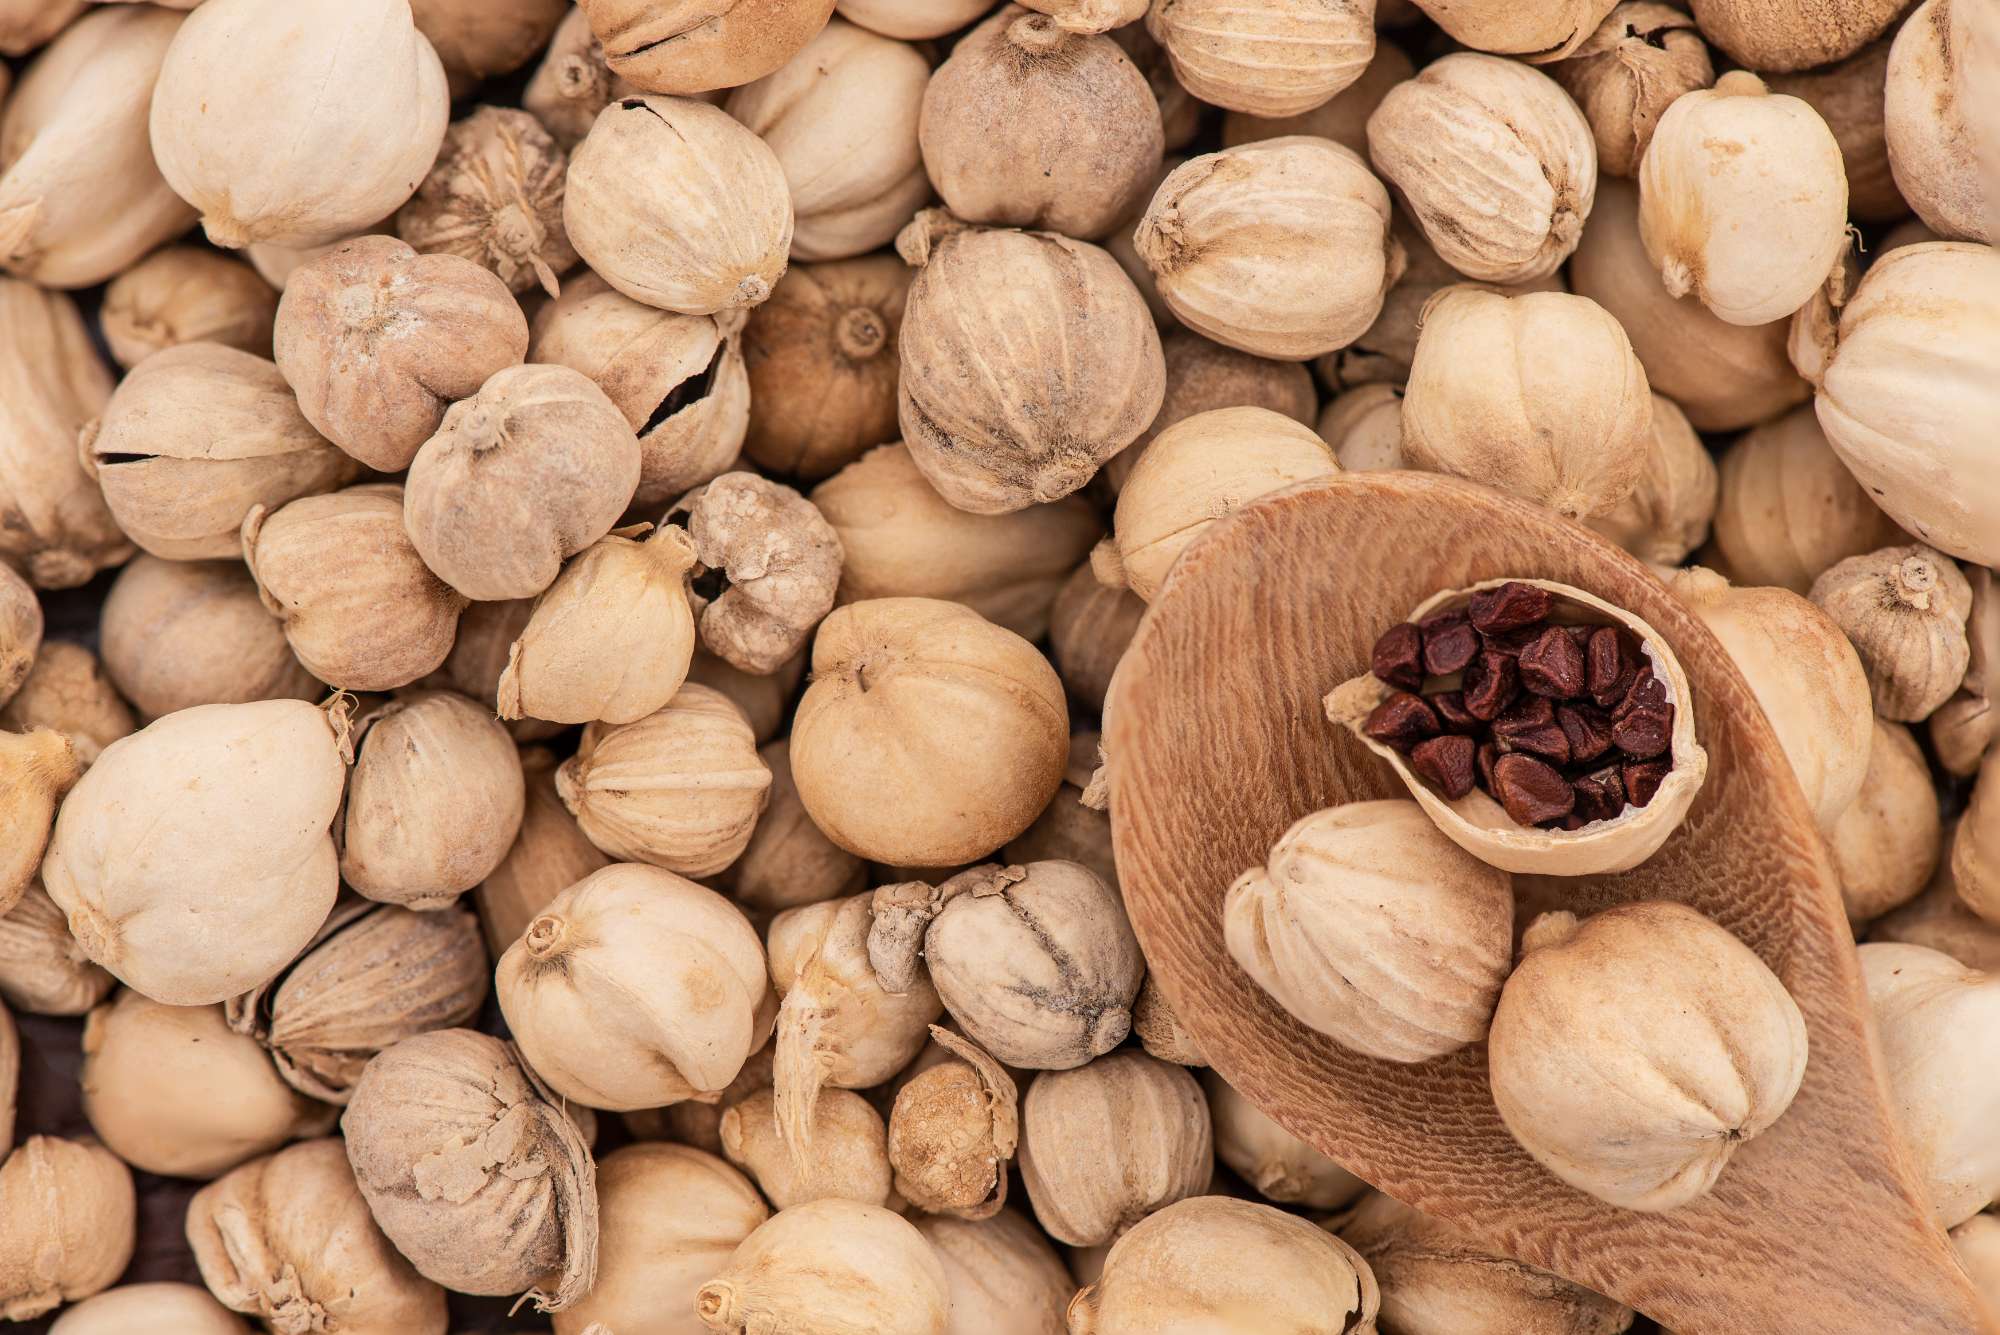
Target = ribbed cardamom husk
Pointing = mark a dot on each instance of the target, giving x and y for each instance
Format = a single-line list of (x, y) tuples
[(495, 197), (43, 971)]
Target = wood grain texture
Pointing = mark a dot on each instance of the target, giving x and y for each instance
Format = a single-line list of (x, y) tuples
[(1217, 745)]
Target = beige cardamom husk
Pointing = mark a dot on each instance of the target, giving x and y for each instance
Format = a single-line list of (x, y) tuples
[(1932, 107), (68, 1218), (636, 988), (1089, 629), (1434, 1279), (1792, 34), (1640, 1098), (360, 609), (672, 1216), (789, 862), (1372, 927), (1268, 57), (829, 1265), (678, 205), (171, 1090), (1364, 427), (21, 628), (953, 1131), (80, 197), (681, 788), (1068, 830), (1106, 1144), (1886, 845), (255, 101), (912, 20), (1539, 395), (1277, 1163), (374, 975), (1536, 33), (1642, 55), (1342, 118), (1907, 422), (765, 701), (612, 638), (184, 1309), (43, 971), (1003, 1276), (54, 525), (767, 566), (1160, 1031), (67, 692), (685, 47), (549, 855), (839, 1023), (1977, 1242), (194, 439), (176, 634), (929, 736), (227, 879), (495, 197), (1202, 375), (472, 1170), (1085, 379), (1268, 1269), (841, 115), (1849, 97), (679, 380), (184, 294), (38, 767), (1033, 124), (572, 83), (1038, 963), (900, 539), (1494, 159), (289, 1240), (1975, 847), (1667, 515), (1938, 918), (849, 1160), (377, 341), (532, 469), (479, 39), (1932, 1018), (1904, 610), (26, 24)]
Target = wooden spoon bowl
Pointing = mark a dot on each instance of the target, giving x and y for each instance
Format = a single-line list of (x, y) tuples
[(1217, 743)]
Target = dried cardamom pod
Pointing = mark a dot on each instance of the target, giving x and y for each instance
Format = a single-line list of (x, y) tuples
[(10, 1078), (20, 631), (473, 1170), (1886, 845), (953, 1130), (43, 970), (1160, 1031), (849, 1159), (1068, 830), (374, 975), (38, 768), (1270, 57), (1003, 1276), (495, 197), (479, 39), (829, 1265), (1667, 515), (183, 1309), (572, 84), (184, 294), (68, 692), (288, 1239), (1277, 1163), (1904, 610), (1628, 71), (768, 564), (549, 855), (789, 862), (68, 1217)]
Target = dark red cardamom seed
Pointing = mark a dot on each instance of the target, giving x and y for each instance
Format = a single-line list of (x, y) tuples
[(1487, 756), (1600, 794), (1643, 779), (1531, 791), (1401, 721), (1449, 643), (1511, 605), (1448, 762), (1491, 683), (1588, 730), (1645, 732), (1553, 665), (1451, 710), (1647, 690), (1512, 642), (1398, 657)]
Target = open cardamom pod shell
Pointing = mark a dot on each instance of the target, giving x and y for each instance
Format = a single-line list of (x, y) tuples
[(1480, 826)]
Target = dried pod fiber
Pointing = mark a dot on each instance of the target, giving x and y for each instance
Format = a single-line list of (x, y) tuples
[(68, 1217), (831, 1266)]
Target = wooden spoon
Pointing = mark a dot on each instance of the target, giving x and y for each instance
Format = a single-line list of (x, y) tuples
[(1217, 744)]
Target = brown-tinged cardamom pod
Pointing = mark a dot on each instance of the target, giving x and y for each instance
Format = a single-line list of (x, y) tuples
[(494, 197), (953, 1131), (548, 856), (69, 692), (37, 768), (68, 1220), (768, 564), (479, 39), (789, 862), (849, 1159)]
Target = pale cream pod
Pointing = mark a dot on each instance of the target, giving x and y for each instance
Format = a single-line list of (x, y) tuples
[(549, 856), (1723, 376), (229, 878), (1371, 927), (1083, 378), (1537, 395), (1788, 508), (473, 1170), (161, 1307), (68, 1219), (900, 539), (43, 971), (495, 198), (680, 788), (829, 1265), (1196, 473), (38, 768), (1003, 1276), (1495, 160), (686, 47), (1364, 428), (1281, 248), (68, 692), (1938, 117), (1343, 118), (1743, 200), (841, 115), (21, 626), (1643, 55), (80, 197), (1938, 918), (1068, 830), (1033, 124), (1090, 15), (532, 469), (1934, 1018), (789, 862), (184, 294), (1849, 96), (289, 1240), (1975, 848), (612, 638), (678, 205), (1904, 610), (374, 975), (1268, 58), (176, 634), (1038, 964), (1669, 511), (913, 20), (672, 1217), (1277, 1163), (1105, 1145), (1805, 675), (255, 100), (768, 566), (636, 988), (434, 801), (1534, 32), (378, 341), (194, 439), (360, 609), (680, 380), (929, 736), (1907, 421), (1435, 1279), (849, 1160), (170, 1090), (1639, 1096), (1886, 845), (26, 24), (1269, 1270)]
